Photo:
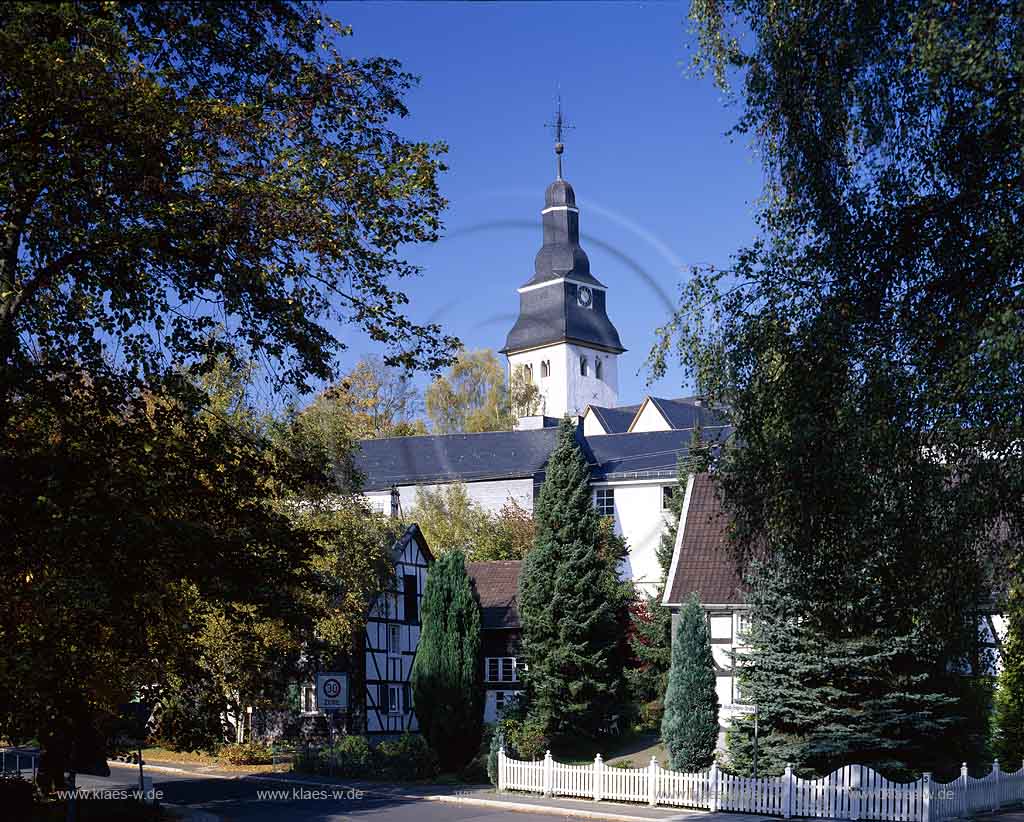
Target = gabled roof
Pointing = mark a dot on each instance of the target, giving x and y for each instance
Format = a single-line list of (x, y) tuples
[(454, 457), (495, 585), (411, 533), (701, 561), (685, 412), (614, 420)]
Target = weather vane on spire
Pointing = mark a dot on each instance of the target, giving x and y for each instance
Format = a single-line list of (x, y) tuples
[(557, 127)]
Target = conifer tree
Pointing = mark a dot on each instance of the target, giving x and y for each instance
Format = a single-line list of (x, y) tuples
[(446, 671), (689, 729), (568, 604)]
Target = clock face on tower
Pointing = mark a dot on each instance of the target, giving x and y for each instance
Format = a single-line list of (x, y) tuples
[(584, 296)]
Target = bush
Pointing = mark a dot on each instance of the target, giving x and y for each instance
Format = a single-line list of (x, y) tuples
[(246, 753), (352, 756), (409, 757), (476, 772), (16, 795), (651, 714), (525, 738)]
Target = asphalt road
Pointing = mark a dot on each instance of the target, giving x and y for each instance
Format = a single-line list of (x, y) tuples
[(242, 800)]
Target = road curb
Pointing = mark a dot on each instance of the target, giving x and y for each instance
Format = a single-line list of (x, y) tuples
[(548, 810), (472, 801), (498, 804)]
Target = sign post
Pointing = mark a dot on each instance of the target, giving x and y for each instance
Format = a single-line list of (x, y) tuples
[(331, 697)]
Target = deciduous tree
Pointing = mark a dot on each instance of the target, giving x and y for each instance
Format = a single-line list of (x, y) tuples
[(869, 350), (450, 520)]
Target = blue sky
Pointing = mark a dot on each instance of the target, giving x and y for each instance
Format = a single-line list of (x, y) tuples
[(659, 185)]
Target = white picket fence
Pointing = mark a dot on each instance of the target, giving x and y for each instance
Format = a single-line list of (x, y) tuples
[(853, 792)]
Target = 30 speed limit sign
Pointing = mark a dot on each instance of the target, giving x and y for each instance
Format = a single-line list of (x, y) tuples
[(331, 691)]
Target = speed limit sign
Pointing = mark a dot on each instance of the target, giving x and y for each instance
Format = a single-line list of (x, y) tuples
[(331, 691)]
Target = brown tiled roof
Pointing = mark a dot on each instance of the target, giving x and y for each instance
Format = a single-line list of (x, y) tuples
[(495, 584), (704, 563)]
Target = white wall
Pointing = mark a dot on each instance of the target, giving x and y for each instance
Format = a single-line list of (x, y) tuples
[(490, 495), (592, 425), (566, 391), (640, 519), (650, 419)]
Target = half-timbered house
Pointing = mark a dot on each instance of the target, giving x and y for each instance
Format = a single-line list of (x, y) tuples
[(391, 637)]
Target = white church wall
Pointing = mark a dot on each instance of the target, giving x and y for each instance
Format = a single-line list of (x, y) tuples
[(566, 390), (553, 386), (491, 495), (583, 390)]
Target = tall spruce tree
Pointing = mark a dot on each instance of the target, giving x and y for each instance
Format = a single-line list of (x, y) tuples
[(568, 604), (689, 729), (446, 671)]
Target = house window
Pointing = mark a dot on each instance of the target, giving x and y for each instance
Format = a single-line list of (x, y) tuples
[(528, 374), (308, 698), (394, 640), (743, 621), (604, 501), (545, 368), (394, 699), (668, 493), (409, 592), (501, 669), (598, 368), (584, 366), (721, 627)]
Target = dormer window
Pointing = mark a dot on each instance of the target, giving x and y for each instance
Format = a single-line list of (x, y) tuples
[(597, 368), (584, 367), (545, 368)]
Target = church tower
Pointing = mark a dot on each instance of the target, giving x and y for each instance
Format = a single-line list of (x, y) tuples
[(563, 341)]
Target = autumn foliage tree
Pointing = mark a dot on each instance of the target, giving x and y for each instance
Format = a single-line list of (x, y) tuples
[(179, 184)]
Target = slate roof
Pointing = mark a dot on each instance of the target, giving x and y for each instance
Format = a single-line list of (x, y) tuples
[(495, 585), (454, 457), (651, 453), (553, 313), (615, 420), (517, 455), (686, 413), (702, 562)]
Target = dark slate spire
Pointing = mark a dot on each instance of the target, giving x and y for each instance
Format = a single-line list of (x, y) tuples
[(551, 308), (561, 255)]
